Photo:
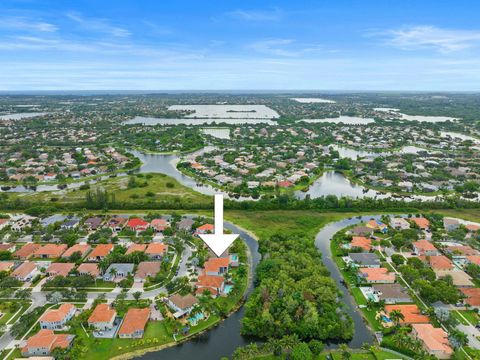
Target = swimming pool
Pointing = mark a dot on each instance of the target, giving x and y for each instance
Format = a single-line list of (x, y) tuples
[(386, 319), (196, 318), (228, 289)]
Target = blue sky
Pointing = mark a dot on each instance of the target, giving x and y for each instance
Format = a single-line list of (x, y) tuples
[(285, 45)]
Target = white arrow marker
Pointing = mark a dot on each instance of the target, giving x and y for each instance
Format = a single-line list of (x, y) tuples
[(218, 242)]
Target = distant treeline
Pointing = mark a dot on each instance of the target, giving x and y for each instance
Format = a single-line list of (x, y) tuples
[(102, 200)]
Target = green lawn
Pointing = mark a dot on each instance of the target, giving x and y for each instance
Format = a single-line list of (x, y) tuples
[(470, 315), (8, 313)]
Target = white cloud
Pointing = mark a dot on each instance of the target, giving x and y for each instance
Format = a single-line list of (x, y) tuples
[(24, 24), (432, 37), (99, 25), (257, 15), (282, 47)]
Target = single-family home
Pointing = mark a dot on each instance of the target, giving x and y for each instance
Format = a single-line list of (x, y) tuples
[(70, 224), (7, 247), (100, 252), (212, 283), (156, 251), (459, 278), (411, 313), (205, 229), (146, 269), (399, 223), (451, 223), (133, 325), (181, 305), (6, 265), (53, 219), (424, 248), (361, 242), (216, 266), (472, 297), (391, 293), (376, 275), (117, 223), (136, 248), (4, 223), (50, 251), (60, 269), (45, 341), (93, 223), (361, 231), (26, 271), (137, 224), (377, 225), (421, 222), (89, 269), (159, 225), (185, 224), (56, 319), (435, 340), (461, 251), (22, 223), (439, 262), (26, 251), (83, 249), (369, 260), (117, 272), (102, 317)]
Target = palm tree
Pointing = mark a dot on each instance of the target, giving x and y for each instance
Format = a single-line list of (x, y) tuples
[(396, 316), (344, 352), (113, 272)]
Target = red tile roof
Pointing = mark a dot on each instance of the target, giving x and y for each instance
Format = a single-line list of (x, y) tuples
[(147, 268), (361, 242), (89, 268), (102, 313), (47, 339), (214, 264), (156, 249), (101, 250), (137, 224), (424, 245), (159, 224), (27, 250), (60, 269), (51, 250), (434, 339), (81, 248), (421, 222), (377, 274), (6, 265), (56, 315), (473, 296), (439, 262), (206, 227), (210, 281), (134, 320), (136, 247), (411, 313), (462, 249), (24, 269)]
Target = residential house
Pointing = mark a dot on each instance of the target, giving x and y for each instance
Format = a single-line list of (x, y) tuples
[(391, 293), (136, 248), (461, 251), (137, 224), (117, 272), (6, 265), (102, 317), (83, 249), (4, 223), (70, 224), (377, 226), (26, 251), (421, 222), (22, 223), (56, 319), (399, 223), (411, 313), (93, 223), (361, 242), (53, 219), (451, 223), (205, 229), (117, 223), (159, 225), (50, 251), (369, 260), (133, 325), (45, 341), (7, 247), (425, 248), (89, 269), (181, 305), (435, 340), (439, 262), (60, 269), (216, 266), (100, 252), (472, 297), (26, 271), (460, 278), (146, 269), (185, 224), (376, 275), (156, 251), (212, 283), (361, 231)]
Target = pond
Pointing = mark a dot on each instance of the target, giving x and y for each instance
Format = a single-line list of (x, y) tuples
[(347, 120), (19, 116)]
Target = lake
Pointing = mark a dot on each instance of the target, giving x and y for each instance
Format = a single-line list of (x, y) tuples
[(219, 133), (19, 116), (313, 100), (226, 111), (151, 121)]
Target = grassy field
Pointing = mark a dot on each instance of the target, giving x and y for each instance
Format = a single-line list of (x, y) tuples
[(159, 187)]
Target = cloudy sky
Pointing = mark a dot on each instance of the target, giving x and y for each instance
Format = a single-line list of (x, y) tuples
[(284, 45)]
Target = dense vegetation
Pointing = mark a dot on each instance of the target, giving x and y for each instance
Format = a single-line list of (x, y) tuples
[(294, 294)]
